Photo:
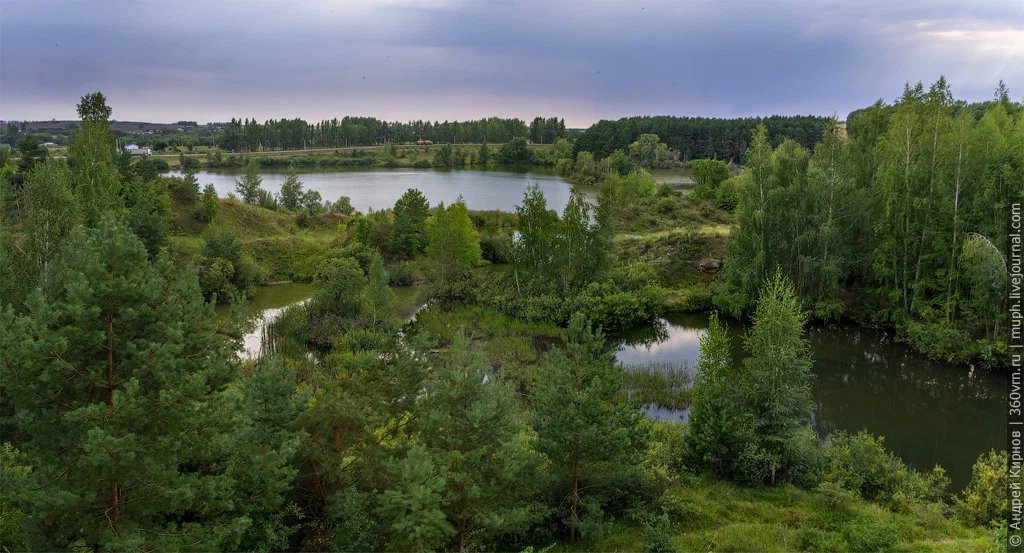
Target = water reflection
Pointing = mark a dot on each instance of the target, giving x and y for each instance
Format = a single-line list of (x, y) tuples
[(379, 188), (250, 319), (929, 412)]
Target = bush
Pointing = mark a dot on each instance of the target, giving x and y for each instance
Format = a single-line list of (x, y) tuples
[(659, 536), (984, 499), (496, 248), (861, 464), (183, 189), (224, 270), (401, 274)]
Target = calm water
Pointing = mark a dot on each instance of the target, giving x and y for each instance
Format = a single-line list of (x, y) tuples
[(930, 413), (379, 188), (253, 317)]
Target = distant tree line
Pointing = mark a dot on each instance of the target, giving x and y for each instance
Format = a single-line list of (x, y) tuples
[(277, 134), (699, 137)]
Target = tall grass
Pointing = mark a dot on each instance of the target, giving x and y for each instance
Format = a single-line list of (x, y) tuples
[(665, 384)]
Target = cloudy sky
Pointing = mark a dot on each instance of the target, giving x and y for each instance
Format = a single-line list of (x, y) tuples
[(432, 59)]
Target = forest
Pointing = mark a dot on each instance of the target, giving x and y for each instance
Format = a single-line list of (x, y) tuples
[(699, 137), (497, 417), (289, 134)]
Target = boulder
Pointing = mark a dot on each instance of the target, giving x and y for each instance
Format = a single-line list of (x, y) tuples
[(710, 265)]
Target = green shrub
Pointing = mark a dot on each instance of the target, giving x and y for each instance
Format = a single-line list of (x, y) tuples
[(984, 499), (659, 536), (402, 274), (496, 248), (861, 464)]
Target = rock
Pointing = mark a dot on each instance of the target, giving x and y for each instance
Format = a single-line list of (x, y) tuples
[(710, 265)]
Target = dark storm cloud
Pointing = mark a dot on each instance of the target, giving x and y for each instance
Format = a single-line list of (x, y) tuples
[(582, 60)]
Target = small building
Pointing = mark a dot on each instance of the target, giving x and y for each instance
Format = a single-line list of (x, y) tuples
[(49, 145)]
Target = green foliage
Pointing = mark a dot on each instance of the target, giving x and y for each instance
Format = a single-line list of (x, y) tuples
[(483, 156), (515, 152), (185, 188), (413, 504), (698, 137), (774, 386), (261, 451), (48, 213), (659, 536), (132, 368), (751, 421), (454, 246), (380, 300), (250, 185), (210, 203), (149, 214), (649, 152), (553, 253), (907, 210), (859, 463), (30, 154), (708, 174), (984, 499), (714, 426), (589, 436), (409, 232), (470, 425), (342, 205), (225, 272), (291, 191), (444, 157), (91, 156)]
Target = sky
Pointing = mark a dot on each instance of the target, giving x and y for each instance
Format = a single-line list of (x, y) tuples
[(206, 60)]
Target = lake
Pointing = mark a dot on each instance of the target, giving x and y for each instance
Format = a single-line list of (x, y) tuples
[(929, 412), (379, 188)]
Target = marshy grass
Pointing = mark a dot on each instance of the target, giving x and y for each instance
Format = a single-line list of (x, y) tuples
[(665, 384)]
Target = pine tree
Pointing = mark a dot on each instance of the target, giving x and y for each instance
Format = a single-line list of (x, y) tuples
[(408, 235), (711, 435), (261, 447), (589, 435), (469, 422), (116, 369)]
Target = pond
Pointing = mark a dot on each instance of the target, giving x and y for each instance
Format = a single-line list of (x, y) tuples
[(268, 302), (252, 317), (929, 412), (379, 188)]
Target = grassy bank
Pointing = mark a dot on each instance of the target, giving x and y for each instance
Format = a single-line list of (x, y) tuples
[(706, 514)]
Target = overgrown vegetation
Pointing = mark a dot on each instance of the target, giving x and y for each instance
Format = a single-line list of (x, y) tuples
[(498, 420)]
